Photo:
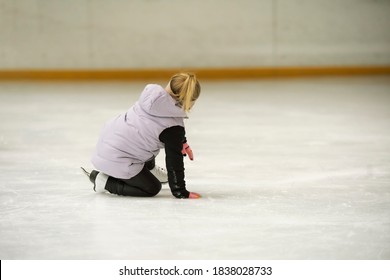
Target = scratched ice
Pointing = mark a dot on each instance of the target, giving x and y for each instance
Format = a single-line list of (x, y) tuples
[(288, 169)]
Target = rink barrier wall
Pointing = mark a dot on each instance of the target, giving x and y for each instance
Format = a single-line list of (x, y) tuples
[(205, 73)]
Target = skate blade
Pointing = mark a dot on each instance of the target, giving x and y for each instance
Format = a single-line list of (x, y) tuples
[(86, 172)]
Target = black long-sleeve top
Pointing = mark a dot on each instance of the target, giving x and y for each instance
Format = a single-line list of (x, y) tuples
[(173, 139)]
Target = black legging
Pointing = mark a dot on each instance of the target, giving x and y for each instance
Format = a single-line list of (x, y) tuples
[(144, 184)]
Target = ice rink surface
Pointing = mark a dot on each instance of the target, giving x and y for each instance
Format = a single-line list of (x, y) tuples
[(288, 169)]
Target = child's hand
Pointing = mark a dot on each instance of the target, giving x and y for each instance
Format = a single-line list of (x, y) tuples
[(194, 195), (187, 151)]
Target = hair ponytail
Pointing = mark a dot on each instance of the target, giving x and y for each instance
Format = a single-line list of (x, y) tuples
[(186, 88)]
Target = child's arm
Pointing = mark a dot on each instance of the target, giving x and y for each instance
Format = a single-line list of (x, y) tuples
[(173, 139)]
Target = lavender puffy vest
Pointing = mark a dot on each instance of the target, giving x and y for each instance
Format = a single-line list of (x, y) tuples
[(132, 138)]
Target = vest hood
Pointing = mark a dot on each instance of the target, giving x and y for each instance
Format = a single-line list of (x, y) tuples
[(155, 101)]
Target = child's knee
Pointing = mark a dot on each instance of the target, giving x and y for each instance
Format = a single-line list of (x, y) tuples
[(155, 190)]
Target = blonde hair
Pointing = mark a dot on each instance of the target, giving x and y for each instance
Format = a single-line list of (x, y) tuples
[(185, 88)]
